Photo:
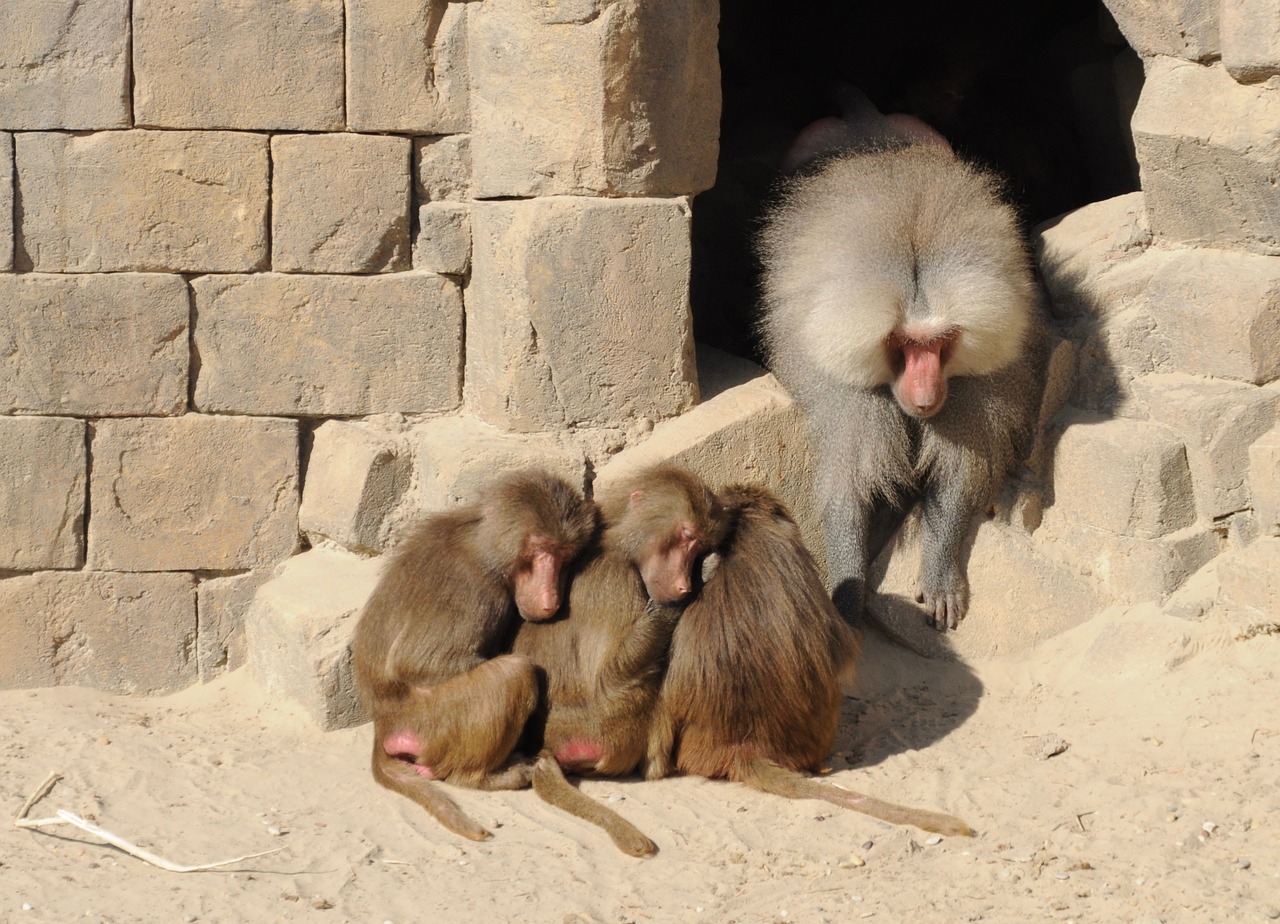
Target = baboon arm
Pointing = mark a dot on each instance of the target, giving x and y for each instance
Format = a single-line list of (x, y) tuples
[(401, 777), (550, 783), (769, 777), (662, 741), (639, 651)]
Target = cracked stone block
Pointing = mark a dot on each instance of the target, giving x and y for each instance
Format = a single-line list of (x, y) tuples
[(443, 241), (1217, 313), (1218, 421), (43, 470), (407, 66), (124, 633), (252, 64), (1251, 39), (340, 203), (621, 98), (578, 312), (298, 633), (196, 202), (222, 603), (442, 168), (1186, 29), (1264, 480), (64, 64), (1126, 477), (302, 345), (356, 476), (1209, 151), (96, 345), (198, 493)]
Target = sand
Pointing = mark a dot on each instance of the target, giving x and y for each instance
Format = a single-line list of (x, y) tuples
[(1164, 805)]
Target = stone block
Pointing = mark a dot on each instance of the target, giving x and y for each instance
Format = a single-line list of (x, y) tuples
[(1251, 39), (356, 476), (65, 64), (1250, 577), (1017, 596), (443, 241), (328, 345), (94, 345), (198, 493), (192, 202), (578, 312), (1097, 268), (1186, 29), (124, 633), (221, 603), (620, 98), (6, 202), (442, 168), (1209, 149), (42, 491), (1218, 421), (298, 634), (253, 64), (1127, 569), (1217, 313), (407, 66), (456, 457), (747, 429), (340, 203), (1264, 481), (1125, 477)]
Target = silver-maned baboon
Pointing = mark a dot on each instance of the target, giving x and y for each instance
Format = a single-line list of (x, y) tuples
[(902, 313)]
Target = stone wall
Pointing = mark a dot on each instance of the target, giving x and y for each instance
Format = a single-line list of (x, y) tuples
[(276, 277), (280, 274)]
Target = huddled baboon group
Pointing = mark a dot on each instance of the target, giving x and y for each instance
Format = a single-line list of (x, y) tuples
[(676, 628)]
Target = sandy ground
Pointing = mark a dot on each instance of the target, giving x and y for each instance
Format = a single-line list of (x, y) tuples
[(1165, 806)]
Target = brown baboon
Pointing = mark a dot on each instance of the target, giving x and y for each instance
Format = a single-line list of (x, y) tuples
[(752, 689), (445, 704), (902, 314), (604, 658)]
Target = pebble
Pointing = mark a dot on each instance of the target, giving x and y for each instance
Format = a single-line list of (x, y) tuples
[(617, 798), (934, 841), (1062, 876), (868, 845), (26, 906), (1047, 746), (1208, 827), (1243, 864), (1272, 912), (274, 831)]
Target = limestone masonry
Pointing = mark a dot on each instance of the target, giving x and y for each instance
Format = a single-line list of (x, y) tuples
[(259, 311)]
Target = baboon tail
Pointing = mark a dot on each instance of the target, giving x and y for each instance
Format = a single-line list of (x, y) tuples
[(399, 776), (551, 785), (767, 776)]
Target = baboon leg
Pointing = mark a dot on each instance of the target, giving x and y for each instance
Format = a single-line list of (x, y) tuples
[(550, 783)]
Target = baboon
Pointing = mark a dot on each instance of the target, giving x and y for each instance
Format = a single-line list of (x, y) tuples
[(901, 311), (603, 659), (446, 704), (752, 689)]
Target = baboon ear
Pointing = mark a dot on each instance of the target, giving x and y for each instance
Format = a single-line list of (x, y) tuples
[(634, 498)]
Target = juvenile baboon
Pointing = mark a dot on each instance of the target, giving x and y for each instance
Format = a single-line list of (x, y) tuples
[(902, 314), (445, 704), (604, 657), (752, 689)]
